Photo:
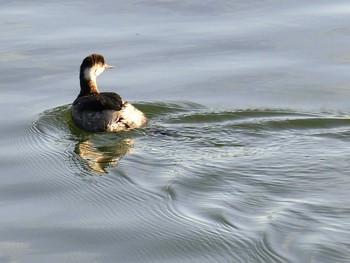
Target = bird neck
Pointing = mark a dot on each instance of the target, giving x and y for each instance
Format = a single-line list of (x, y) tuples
[(87, 86)]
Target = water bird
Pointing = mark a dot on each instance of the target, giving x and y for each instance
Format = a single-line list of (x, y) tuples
[(96, 111)]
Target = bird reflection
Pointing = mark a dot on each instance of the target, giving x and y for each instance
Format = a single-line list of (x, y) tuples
[(101, 154)]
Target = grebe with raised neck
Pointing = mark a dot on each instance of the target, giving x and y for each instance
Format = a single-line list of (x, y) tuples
[(96, 111)]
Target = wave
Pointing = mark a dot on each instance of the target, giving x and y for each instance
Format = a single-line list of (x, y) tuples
[(191, 171), (186, 122)]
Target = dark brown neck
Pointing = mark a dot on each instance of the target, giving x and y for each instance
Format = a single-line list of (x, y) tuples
[(87, 87)]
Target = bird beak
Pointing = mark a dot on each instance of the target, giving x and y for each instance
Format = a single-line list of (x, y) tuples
[(108, 66)]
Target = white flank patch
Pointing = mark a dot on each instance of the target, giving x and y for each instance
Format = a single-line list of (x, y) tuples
[(133, 116)]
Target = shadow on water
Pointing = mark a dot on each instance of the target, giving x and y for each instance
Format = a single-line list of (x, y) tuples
[(100, 157)]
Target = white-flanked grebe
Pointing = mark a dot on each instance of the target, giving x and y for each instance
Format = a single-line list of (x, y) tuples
[(106, 111)]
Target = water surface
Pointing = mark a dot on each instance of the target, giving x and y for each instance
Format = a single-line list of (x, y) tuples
[(245, 156)]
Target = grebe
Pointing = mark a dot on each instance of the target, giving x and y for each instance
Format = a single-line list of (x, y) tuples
[(106, 111)]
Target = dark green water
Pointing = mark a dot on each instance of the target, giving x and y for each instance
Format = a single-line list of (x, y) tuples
[(246, 154)]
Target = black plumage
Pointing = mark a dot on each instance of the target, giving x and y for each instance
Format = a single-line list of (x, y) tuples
[(99, 102)]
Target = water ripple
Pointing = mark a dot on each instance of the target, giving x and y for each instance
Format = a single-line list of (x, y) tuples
[(197, 181)]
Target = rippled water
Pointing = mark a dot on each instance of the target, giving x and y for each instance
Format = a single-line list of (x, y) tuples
[(245, 157)]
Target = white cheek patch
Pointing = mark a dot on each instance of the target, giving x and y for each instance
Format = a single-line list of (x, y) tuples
[(99, 70), (92, 73)]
